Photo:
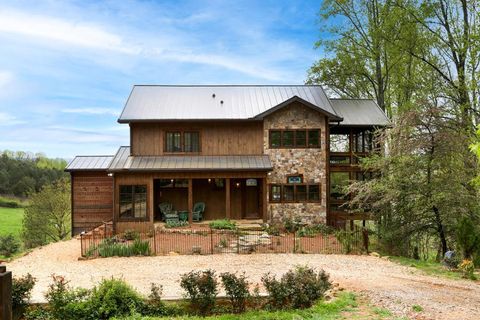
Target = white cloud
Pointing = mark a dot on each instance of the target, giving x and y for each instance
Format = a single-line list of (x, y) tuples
[(96, 111), (7, 119), (74, 33)]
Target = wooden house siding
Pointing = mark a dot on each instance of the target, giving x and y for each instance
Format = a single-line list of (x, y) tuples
[(216, 138), (92, 200)]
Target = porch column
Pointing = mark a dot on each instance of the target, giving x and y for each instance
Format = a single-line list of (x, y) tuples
[(190, 201), (264, 199), (228, 210)]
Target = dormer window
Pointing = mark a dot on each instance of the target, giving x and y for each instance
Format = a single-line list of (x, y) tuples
[(182, 141)]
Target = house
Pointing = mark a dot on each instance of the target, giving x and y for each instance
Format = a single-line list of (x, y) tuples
[(246, 151)]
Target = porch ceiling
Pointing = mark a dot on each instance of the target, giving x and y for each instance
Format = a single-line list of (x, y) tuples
[(123, 161)]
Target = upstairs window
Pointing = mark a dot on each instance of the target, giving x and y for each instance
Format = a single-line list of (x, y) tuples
[(178, 141), (339, 142), (299, 138)]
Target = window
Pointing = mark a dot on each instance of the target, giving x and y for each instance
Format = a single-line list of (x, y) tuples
[(301, 138), (314, 138), (275, 193), (339, 142), (133, 202), (295, 193), (294, 138), (192, 142), (275, 139), (178, 141), (363, 141)]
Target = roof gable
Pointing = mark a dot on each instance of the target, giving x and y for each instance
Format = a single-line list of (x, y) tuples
[(220, 102)]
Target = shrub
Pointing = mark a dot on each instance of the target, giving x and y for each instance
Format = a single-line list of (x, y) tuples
[(111, 248), (272, 230), (347, 239), (468, 268), (291, 225), (114, 298), (201, 290), (176, 224), (313, 230), (223, 224), (236, 288), (21, 292), (131, 235), (9, 245), (38, 313), (65, 302), (298, 288), (9, 203)]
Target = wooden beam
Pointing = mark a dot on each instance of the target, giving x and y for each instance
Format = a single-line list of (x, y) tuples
[(190, 201), (264, 199), (228, 206)]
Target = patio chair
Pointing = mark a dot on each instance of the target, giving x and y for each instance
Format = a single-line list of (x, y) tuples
[(168, 214), (197, 212)]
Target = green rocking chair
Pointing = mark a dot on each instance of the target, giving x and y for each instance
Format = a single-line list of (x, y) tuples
[(197, 212)]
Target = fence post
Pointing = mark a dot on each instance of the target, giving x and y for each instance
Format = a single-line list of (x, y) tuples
[(104, 230), (81, 244), (211, 241), (365, 239), (154, 240), (295, 241), (5, 294)]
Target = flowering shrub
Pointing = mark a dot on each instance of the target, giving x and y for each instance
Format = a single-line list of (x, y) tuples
[(467, 267)]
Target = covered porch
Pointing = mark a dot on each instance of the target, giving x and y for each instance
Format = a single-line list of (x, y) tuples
[(236, 198)]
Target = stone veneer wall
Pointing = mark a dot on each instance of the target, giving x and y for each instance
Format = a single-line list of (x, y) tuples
[(311, 163)]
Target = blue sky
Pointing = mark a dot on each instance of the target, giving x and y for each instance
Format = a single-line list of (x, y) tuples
[(67, 67)]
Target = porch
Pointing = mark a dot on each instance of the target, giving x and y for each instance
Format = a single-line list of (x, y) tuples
[(221, 198)]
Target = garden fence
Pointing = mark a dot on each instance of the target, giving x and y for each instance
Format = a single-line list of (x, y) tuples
[(214, 241)]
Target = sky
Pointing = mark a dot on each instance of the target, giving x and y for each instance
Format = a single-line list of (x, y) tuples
[(67, 67)]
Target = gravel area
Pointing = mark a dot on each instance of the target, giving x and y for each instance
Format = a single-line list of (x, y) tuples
[(386, 284)]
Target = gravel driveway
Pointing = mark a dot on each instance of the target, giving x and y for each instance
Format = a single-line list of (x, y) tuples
[(386, 284)]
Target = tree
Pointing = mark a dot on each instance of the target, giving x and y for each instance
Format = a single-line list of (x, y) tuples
[(367, 52), (48, 217), (422, 184)]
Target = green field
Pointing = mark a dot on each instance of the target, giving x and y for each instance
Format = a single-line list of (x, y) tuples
[(11, 221)]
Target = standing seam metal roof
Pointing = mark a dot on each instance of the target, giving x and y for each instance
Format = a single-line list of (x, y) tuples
[(123, 161), (89, 163), (359, 112), (204, 102)]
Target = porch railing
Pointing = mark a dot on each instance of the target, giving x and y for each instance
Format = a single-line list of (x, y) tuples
[(214, 241)]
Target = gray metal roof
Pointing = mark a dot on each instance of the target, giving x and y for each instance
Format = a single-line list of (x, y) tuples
[(123, 161), (161, 102), (89, 163), (359, 112)]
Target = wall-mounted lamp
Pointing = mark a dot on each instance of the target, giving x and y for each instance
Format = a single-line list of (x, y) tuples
[(237, 184), (171, 180), (110, 174), (209, 180)]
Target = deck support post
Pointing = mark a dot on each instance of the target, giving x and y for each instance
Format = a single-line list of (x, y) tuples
[(190, 201), (5, 293), (228, 209)]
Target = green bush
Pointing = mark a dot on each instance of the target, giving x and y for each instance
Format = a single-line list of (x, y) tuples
[(291, 225), (65, 302), (313, 230), (112, 248), (131, 235), (348, 240), (223, 224), (175, 224), (298, 288), (38, 313), (21, 293), (201, 289), (9, 203), (9, 245), (236, 288), (114, 298)]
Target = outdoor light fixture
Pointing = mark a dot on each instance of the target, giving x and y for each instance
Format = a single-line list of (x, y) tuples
[(237, 184), (209, 180), (171, 180), (110, 174)]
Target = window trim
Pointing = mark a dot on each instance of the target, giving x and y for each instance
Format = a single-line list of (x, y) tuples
[(307, 144), (182, 142), (146, 218), (294, 185)]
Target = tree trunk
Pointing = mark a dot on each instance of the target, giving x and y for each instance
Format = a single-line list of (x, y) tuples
[(440, 230)]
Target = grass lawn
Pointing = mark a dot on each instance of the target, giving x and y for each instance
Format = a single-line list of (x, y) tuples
[(429, 267), (11, 221), (346, 306)]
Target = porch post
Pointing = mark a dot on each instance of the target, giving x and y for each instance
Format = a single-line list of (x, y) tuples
[(264, 199), (228, 209), (190, 201)]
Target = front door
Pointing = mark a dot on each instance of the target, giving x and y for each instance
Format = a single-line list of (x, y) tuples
[(252, 199)]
